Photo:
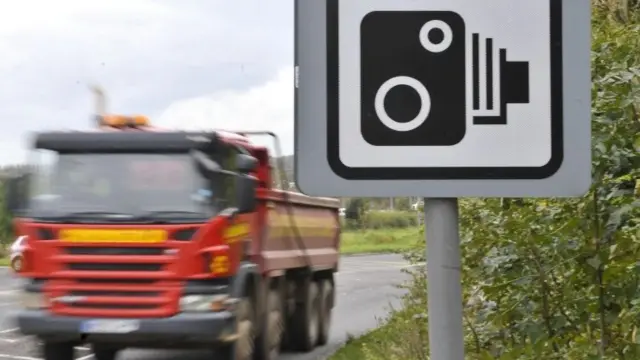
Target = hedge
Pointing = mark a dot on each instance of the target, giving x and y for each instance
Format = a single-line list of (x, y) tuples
[(382, 220)]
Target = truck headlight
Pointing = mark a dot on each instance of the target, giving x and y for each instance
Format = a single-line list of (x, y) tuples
[(196, 303), (32, 300)]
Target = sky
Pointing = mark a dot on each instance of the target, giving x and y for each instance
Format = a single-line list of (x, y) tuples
[(192, 64)]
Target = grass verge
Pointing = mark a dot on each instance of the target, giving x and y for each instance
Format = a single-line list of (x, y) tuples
[(402, 335), (353, 349), (379, 240)]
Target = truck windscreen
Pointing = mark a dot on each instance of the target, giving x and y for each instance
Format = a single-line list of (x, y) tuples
[(131, 184)]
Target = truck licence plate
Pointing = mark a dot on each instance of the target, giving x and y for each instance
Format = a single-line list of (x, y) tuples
[(101, 326)]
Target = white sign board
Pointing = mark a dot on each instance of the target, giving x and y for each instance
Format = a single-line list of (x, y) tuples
[(443, 98)]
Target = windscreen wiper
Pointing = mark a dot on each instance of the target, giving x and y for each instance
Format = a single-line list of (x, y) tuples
[(110, 214), (158, 215), (90, 215)]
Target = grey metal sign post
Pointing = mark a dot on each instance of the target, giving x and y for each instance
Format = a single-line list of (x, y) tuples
[(443, 99)]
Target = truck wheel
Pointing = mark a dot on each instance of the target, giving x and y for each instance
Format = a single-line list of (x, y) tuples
[(304, 332), (326, 307), (270, 337), (243, 347), (57, 351), (101, 352)]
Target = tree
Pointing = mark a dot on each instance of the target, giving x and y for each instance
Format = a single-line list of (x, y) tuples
[(5, 220), (355, 209), (402, 204)]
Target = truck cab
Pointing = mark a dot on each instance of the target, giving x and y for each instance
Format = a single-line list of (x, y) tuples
[(169, 239)]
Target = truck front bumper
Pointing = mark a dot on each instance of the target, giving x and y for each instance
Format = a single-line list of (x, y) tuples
[(182, 330)]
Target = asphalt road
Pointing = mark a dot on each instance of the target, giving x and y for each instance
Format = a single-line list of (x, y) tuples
[(365, 284)]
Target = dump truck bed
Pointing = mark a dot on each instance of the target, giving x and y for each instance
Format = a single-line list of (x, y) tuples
[(299, 231)]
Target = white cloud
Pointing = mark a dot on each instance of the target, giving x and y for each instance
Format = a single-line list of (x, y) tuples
[(146, 54), (267, 107)]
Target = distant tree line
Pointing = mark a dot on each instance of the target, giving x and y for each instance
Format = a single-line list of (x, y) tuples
[(7, 171)]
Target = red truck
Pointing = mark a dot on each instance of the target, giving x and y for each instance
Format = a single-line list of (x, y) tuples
[(148, 238)]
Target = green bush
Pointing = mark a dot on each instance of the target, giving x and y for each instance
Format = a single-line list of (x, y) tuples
[(355, 209), (382, 220), (349, 224), (389, 219)]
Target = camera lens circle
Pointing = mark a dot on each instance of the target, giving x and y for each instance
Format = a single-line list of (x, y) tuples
[(447, 36), (425, 106)]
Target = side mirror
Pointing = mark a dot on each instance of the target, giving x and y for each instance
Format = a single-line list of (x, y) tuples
[(246, 193), (246, 163), (16, 193)]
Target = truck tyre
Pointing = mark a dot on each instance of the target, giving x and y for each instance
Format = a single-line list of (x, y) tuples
[(304, 332), (326, 307), (270, 336), (57, 351), (101, 352), (243, 347)]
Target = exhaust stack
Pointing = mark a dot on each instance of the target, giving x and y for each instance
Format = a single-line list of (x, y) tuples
[(100, 103)]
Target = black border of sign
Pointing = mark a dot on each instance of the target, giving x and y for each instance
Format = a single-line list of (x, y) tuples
[(443, 173)]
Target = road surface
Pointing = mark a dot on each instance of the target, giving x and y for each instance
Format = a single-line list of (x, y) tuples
[(365, 284)]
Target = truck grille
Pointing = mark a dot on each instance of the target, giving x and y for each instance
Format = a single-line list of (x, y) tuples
[(113, 282), (141, 251), (115, 267)]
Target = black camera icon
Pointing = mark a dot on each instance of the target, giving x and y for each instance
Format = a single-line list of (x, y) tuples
[(413, 80)]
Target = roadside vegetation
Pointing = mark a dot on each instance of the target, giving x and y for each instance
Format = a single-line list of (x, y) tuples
[(388, 240), (6, 236), (375, 231), (5, 223), (550, 278)]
